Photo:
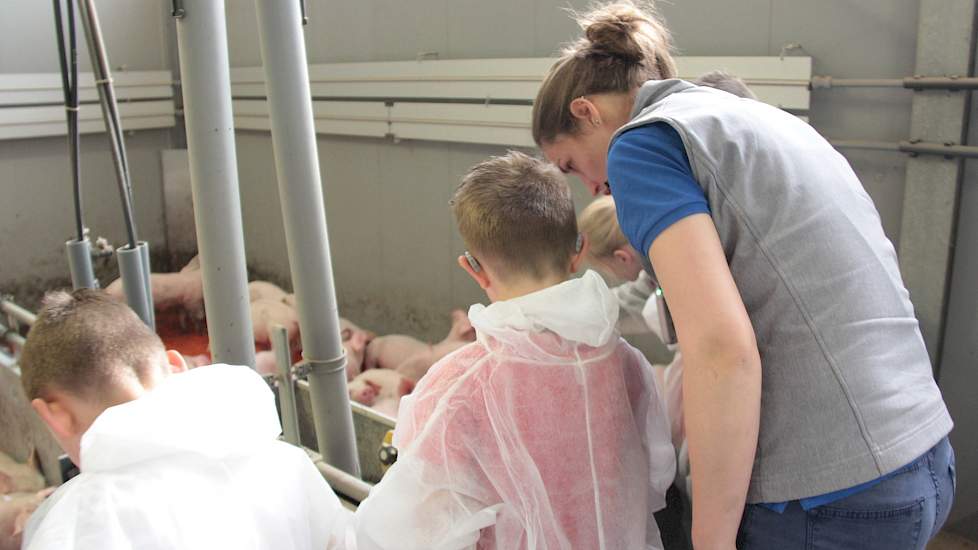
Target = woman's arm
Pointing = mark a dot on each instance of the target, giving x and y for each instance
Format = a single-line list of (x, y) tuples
[(722, 379)]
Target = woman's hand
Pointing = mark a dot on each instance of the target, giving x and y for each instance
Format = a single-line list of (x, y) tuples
[(722, 378)]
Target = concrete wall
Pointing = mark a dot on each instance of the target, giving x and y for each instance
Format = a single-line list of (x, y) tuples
[(392, 235), (35, 184)]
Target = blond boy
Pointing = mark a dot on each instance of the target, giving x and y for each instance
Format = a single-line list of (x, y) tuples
[(546, 432)]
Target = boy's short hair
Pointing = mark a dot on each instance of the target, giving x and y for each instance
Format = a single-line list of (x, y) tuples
[(599, 221), (83, 342), (722, 80), (517, 211)]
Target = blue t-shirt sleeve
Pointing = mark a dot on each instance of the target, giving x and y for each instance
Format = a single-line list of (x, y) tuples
[(652, 183)]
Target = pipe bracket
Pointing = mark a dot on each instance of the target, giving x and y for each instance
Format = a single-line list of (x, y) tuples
[(329, 366)]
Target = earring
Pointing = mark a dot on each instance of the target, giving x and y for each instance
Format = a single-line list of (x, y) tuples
[(594, 122)]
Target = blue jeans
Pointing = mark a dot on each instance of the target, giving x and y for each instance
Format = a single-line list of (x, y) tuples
[(902, 512)]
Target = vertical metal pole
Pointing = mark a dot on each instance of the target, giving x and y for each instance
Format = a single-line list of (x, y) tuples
[(134, 282), (80, 263), (945, 45), (286, 385), (205, 76), (300, 191)]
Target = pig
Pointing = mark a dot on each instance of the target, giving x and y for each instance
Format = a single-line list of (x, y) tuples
[(265, 363), (19, 478), (380, 389), (263, 290), (389, 351), (413, 358), (192, 265), (348, 329), (15, 510), (267, 313), (184, 290), (355, 346)]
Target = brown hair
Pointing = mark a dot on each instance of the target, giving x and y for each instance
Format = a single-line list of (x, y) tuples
[(722, 80), (83, 342), (599, 222), (625, 43), (517, 211)]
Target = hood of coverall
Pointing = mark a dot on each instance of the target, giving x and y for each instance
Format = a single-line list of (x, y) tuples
[(216, 411), (580, 310)]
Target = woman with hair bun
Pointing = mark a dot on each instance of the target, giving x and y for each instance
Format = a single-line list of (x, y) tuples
[(812, 415)]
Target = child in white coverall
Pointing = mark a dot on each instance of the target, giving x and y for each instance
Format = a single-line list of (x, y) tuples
[(547, 432), (168, 461), (609, 252)]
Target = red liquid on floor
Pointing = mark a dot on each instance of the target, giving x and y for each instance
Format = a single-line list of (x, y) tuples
[(188, 342)]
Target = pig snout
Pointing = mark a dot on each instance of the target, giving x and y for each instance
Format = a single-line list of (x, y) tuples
[(364, 391)]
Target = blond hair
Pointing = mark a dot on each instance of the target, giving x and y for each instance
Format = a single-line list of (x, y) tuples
[(722, 80), (517, 212), (599, 222), (84, 342), (625, 43)]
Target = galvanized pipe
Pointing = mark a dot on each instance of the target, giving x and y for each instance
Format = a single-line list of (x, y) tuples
[(103, 81), (8, 361), (918, 148), (12, 338), (349, 486), (300, 192), (910, 82), (18, 313), (206, 85), (80, 264), (134, 279), (286, 384)]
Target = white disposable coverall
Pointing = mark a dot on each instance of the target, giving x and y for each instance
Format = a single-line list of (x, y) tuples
[(193, 464), (546, 433)]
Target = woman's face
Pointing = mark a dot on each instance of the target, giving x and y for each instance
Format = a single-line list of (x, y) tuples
[(585, 155)]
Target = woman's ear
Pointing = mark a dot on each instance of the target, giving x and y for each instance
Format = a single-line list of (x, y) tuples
[(585, 112), (480, 277)]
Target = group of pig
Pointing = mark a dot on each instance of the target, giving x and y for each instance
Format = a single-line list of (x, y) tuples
[(380, 369), (21, 492)]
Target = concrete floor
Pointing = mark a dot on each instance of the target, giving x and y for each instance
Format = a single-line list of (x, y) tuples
[(947, 541)]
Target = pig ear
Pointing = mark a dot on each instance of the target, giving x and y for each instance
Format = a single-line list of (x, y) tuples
[(405, 387)]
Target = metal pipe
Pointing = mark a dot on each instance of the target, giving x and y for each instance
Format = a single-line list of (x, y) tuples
[(910, 82), (18, 313), (103, 81), (349, 486), (80, 264), (206, 85), (913, 148), (286, 387), (8, 361), (301, 194), (12, 338), (147, 281), (134, 282)]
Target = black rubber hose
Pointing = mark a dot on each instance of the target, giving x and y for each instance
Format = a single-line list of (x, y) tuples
[(69, 83)]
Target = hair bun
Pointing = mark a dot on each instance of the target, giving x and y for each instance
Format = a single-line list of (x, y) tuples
[(615, 30)]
